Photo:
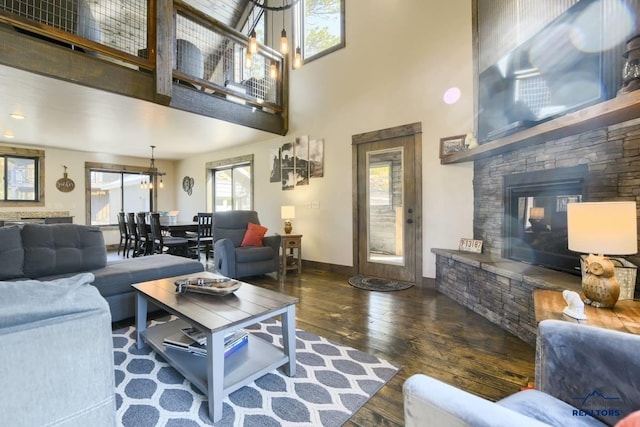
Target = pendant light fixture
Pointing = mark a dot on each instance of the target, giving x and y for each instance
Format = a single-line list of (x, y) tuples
[(152, 173), (284, 43), (253, 43), (297, 59), (273, 70)]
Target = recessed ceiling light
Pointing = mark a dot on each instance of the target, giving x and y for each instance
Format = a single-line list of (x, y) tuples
[(8, 134), (16, 116)]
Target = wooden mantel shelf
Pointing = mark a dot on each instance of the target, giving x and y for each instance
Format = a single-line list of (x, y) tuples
[(616, 110)]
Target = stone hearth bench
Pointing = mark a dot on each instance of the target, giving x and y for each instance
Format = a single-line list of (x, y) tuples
[(498, 289)]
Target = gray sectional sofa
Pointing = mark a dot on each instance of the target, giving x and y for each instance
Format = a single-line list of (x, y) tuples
[(47, 252)]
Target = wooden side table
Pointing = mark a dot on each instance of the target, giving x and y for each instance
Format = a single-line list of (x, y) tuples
[(289, 259), (624, 316)]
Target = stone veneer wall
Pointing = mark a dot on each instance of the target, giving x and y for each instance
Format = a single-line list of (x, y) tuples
[(612, 155), (499, 290)]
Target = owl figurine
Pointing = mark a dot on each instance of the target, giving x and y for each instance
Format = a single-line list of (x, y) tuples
[(599, 284)]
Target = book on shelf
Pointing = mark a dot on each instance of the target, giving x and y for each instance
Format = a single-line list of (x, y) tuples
[(200, 337), (232, 342)]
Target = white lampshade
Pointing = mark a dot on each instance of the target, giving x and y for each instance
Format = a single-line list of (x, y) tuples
[(608, 228), (287, 212), (536, 213)]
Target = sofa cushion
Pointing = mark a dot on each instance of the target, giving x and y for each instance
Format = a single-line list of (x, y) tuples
[(118, 276), (11, 253), (27, 302), (546, 408), (254, 254), (62, 248), (254, 234)]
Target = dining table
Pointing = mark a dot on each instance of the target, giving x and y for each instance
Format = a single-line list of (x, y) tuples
[(180, 228)]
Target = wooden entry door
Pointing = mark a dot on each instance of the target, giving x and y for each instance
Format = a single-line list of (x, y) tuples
[(388, 203)]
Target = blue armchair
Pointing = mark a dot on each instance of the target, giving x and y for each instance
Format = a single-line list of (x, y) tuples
[(232, 260), (585, 376)]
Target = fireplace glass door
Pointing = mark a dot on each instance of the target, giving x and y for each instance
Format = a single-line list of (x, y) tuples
[(536, 217)]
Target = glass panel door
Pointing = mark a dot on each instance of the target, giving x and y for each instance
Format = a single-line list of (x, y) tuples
[(385, 212)]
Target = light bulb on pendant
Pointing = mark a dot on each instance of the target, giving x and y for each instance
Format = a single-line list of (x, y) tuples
[(253, 43), (284, 43), (297, 60), (247, 60), (274, 70), (161, 183)]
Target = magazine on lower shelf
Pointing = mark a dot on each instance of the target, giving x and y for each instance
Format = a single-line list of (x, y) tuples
[(180, 341), (200, 337)]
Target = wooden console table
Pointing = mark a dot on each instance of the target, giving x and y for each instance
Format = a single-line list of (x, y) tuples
[(624, 316)]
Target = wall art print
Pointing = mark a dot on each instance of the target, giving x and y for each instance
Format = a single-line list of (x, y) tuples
[(294, 163), (274, 165), (287, 166), (316, 158)]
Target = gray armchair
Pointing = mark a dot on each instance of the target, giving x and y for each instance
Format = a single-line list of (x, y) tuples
[(232, 260), (585, 376)]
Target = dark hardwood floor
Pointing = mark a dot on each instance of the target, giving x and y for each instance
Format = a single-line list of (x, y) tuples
[(418, 329)]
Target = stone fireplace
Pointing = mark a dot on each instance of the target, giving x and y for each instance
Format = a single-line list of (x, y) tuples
[(599, 165), (519, 204)]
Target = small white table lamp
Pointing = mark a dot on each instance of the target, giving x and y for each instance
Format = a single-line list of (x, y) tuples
[(287, 213), (602, 228)]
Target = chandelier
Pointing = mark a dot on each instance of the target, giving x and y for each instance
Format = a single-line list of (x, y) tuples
[(152, 173), (284, 43)]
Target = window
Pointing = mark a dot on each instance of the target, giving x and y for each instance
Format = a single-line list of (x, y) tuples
[(232, 184), (319, 27), (113, 189), (22, 177)]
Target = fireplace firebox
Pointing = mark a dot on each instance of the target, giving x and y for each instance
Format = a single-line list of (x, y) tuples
[(535, 217)]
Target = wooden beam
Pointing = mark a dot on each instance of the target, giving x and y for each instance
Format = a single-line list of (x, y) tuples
[(165, 36), (188, 99), (45, 58)]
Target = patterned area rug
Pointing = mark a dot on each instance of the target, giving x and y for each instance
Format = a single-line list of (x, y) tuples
[(376, 284), (332, 382)]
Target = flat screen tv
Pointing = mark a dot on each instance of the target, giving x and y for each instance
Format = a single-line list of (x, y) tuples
[(558, 70)]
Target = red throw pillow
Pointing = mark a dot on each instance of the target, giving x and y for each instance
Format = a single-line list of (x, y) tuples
[(631, 420), (254, 234)]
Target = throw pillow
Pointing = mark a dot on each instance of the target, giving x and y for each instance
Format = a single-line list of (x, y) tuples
[(254, 234), (631, 420)]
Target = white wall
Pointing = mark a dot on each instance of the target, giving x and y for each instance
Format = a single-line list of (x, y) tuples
[(74, 201), (400, 58)]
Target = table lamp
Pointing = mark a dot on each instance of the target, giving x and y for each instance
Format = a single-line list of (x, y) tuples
[(287, 213), (601, 228), (536, 218)]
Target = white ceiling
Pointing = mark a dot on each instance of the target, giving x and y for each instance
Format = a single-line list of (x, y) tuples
[(69, 116)]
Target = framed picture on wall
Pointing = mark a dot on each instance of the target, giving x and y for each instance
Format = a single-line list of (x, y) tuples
[(301, 153), (451, 145), (275, 174), (316, 158)]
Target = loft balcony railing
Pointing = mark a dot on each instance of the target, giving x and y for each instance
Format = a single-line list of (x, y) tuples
[(205, 55)]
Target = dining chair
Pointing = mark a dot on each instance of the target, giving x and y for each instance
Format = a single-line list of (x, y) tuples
[(204, 236), (144, 241), (124, 234), (133, 234), (174, 245)]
